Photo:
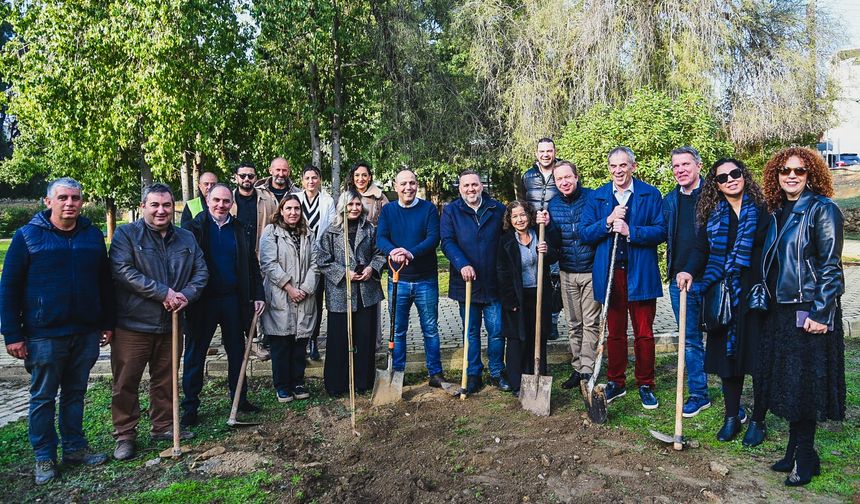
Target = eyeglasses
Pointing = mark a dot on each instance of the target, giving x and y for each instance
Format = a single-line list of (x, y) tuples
[(724, 177), (800, 171), (246, 175)]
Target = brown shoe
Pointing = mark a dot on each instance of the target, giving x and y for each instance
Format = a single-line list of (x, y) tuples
[(168, 435), (260, 353), (124, 450)]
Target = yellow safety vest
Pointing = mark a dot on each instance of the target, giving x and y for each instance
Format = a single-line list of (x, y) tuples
[(195, 206)]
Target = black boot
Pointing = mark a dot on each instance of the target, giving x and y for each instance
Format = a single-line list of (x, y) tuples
[(786, 463), (573, 381), (730, 429), (756, 432), (806, 462)]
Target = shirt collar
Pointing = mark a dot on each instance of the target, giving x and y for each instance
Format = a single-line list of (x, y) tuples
[(226, 221), (691, 191), (414, 202)]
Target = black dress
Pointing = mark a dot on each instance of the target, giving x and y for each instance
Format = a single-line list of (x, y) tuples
[(745, 360), (801, 375)]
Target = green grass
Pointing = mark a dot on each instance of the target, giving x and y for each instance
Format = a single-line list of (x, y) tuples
[(848, 203), (4, 246), (838, 443), (175, 483)]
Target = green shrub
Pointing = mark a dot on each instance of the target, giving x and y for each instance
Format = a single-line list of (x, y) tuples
[(16, 213)]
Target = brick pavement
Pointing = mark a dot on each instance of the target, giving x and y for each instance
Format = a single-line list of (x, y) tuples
[(12, 374)]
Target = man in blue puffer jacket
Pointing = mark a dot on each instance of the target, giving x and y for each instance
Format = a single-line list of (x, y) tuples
[(576, 260), (56, 307)]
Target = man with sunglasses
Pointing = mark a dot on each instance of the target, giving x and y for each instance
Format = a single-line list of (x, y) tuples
[(685, 265), (253, 209)]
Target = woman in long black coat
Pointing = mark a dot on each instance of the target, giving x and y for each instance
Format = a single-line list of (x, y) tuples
[(517, 282), (732, 211), (803, 348)]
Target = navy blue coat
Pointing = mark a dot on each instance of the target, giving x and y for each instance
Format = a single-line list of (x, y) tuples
[(55, 285), (564, 230), (467, 242), (646, 232)]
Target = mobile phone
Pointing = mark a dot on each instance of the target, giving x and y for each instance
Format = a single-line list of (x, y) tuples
[(801, 317), (359, 269)]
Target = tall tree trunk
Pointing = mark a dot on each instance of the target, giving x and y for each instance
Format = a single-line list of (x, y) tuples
[(183, 177), (145, 171), (316, 107), (110, 217), (337, 114)]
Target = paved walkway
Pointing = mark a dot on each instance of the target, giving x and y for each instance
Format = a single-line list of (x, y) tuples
[(13, 392)]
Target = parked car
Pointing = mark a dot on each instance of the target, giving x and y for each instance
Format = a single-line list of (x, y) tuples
[(848, 158)]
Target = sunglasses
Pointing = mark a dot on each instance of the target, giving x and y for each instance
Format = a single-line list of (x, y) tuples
[(785, 170), (246, 175), (724, 177)]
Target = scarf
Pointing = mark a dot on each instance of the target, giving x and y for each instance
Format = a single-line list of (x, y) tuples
[(725, 263)]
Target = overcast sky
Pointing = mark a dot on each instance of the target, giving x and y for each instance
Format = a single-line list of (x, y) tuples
[(848, 11)]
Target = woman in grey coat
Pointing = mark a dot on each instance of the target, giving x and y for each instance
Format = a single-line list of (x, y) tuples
[(365, 264), (289, 280)]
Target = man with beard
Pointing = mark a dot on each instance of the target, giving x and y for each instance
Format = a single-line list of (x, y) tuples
[(278, 182)]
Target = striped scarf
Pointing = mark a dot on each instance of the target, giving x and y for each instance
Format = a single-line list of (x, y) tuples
[(311, 209), (725, 263)]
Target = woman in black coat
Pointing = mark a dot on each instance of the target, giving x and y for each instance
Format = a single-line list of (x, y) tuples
[(732, 211), (802, 357), (517, 282)]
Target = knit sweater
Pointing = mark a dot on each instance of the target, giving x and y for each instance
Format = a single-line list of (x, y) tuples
[(417, 230)]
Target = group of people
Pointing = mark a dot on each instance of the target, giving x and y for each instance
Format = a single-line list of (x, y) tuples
[(770, 253)]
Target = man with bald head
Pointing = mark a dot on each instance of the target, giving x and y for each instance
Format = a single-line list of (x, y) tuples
[(196, 205), (235, 288), (278, 182)]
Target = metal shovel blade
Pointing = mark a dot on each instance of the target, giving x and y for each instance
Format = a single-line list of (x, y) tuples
[(678, 442), (452, 389), (232, 422), (387, 388), (174, 453), (595, 402), (535, 392)]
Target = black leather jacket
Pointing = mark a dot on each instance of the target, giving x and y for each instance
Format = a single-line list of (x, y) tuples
[(808, 253)]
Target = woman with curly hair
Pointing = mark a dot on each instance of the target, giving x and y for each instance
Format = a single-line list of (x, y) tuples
[(802, 357), (731, 209)]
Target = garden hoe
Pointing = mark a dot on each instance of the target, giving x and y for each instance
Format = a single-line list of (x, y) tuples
[(593, 396), (535, 390), (450, 387), (175, 451), (677, 440), (348, 269), (388, 386), (232, 422)]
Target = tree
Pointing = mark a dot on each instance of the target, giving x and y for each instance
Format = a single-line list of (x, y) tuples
[(651, 123), (544, 61)]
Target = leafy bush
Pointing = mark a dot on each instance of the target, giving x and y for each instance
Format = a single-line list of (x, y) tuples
[(16, 213), (652, 123)]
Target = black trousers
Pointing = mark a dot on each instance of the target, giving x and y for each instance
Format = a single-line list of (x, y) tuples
[(336, 369), (520, 354), (288, 361)]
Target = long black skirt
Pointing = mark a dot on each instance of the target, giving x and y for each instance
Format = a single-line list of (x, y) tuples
[(801, 375), (336, 368), (745, 359)]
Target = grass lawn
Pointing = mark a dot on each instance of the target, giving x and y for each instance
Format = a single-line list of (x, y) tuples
[(4, 246)]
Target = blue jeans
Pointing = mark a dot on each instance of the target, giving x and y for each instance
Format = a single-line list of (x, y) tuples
[(492, 316), (425, 295), (59, 364), (694, 351)]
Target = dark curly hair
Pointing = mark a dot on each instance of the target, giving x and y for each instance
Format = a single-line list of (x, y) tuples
[(529, 209), (278, 218), (711, 194), (818, 175)]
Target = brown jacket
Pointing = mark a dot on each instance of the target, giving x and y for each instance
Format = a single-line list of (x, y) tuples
[(373, 200)]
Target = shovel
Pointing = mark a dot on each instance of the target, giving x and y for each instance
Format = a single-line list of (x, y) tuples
[(535, 390), (388, 386), (237, 394), (176, 451), (595, 397), (351, 352), (449, 387), (677, 440)]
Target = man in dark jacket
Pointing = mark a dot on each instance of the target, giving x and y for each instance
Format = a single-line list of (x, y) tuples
[(575, 262), (56, 307), (538, 188), (158, 269), (632, 210), (235, 288), (470, 229), (685, 265)]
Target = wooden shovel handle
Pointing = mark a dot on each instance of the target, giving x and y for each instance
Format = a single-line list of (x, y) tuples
[(679, 392)]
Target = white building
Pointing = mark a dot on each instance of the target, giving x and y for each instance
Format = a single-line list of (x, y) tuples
[(845, 137)]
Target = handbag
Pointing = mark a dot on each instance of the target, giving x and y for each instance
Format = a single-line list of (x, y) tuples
[(757, 299), (557, 303), (716, 307)]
